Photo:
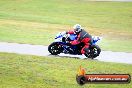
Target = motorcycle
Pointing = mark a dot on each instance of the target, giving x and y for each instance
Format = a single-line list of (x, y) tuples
[(62, 45)]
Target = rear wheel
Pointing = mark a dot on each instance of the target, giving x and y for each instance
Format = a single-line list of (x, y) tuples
[(94, 51), (54, 48)]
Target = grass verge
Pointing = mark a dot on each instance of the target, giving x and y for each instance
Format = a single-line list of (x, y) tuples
[(37, 22), (24, 71)]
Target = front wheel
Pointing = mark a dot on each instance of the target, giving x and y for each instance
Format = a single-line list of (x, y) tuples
[(54, 48)]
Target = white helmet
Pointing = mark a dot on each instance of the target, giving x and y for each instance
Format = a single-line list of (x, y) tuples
[(77, 28)]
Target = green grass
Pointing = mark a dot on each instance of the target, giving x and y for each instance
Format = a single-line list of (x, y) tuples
[(23, 71), (122, 45), (37, 22), (26, 33)]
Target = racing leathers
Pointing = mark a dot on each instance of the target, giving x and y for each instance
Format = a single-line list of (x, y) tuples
[(82, 37)]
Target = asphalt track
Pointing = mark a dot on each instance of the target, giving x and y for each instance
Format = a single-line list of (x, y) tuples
[(40, 50)]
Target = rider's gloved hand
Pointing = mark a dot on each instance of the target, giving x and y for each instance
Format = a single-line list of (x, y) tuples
[(70, 32)]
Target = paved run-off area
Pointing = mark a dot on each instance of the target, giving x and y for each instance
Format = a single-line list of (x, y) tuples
[(40, 50)]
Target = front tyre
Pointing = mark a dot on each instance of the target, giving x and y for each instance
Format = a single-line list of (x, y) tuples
[(54, 48)]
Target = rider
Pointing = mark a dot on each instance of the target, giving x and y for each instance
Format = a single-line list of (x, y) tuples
[(82, 37)]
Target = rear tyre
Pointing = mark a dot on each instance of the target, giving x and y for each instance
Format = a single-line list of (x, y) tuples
[(54, 48), (94, 51)]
